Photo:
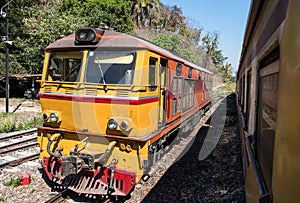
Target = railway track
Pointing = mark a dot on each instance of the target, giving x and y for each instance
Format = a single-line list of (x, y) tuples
[(18, 147), (63, 197), (58, 198)]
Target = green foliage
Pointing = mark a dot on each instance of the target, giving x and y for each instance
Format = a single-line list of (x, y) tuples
[(230, 86), (169, 42), (210, 44), (32, 191), (29, 124), (8, 123), (44, 25), (14, 182), (70, 6), (98, 13), (174, 44), (116, 13), (14, 66), (145, 12), (33, 25), (185, 40)]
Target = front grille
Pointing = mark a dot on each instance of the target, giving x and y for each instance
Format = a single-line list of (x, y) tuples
[(91, 91), (48, 89), (122, 93), (69, 91)]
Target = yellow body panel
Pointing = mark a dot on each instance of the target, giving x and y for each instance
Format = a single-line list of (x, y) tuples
[(93, 117), (286, 168)]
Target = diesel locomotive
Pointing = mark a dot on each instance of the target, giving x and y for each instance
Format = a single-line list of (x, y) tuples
[(110, 102)]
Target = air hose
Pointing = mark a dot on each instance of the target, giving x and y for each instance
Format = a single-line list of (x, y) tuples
[(102, 160), (53, 138)]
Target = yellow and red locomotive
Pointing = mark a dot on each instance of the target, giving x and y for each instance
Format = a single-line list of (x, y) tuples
[(109, 101)]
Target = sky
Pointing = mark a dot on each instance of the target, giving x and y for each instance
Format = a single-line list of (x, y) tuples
[(227, 18)]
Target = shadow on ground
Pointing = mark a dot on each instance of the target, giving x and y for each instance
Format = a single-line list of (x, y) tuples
[(216, 178)]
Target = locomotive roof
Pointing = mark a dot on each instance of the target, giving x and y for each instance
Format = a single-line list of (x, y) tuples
[(118, 41)]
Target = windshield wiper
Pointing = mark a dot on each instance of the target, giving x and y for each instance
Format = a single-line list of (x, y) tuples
[(102, 74), (72, 70)]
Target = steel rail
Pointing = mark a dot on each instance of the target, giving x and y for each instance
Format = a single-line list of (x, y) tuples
[(19, 148), (21, 160), (18, 134), (17, 143), (56, 199)]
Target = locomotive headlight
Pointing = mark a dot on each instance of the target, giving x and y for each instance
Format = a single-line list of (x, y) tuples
[(112, 124), (123, 125), (45, 116), (85, 35), (53, 118), (82, 35)]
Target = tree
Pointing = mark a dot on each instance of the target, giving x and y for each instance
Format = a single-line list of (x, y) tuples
[(35, 24), (43, 25), (171, 19), (174, 44), (143, 11), (228, 73), (15, 17), (99, 13), (210, 45)]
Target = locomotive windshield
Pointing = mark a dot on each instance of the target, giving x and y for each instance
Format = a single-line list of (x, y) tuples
[(64, 66), (109, 67)]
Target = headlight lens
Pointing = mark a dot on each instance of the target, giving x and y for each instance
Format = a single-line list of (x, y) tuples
[(112, 124), (53, 118), (123, 125), (45, 116), (85, 35)]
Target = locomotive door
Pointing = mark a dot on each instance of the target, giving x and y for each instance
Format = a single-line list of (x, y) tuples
[(162, 94)]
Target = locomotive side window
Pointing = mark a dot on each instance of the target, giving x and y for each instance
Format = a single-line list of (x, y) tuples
[(199, 75), (189, 93), (248, 97), (178, 104), (174, 106), (190, 72), (179, 69), (174, 86), (106, 67), (152, 72), (180, 86), (267, 114), (64, 66), (177, 84)]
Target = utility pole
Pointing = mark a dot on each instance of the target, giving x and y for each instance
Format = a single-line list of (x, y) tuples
[(7, 70), (7, 42)]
